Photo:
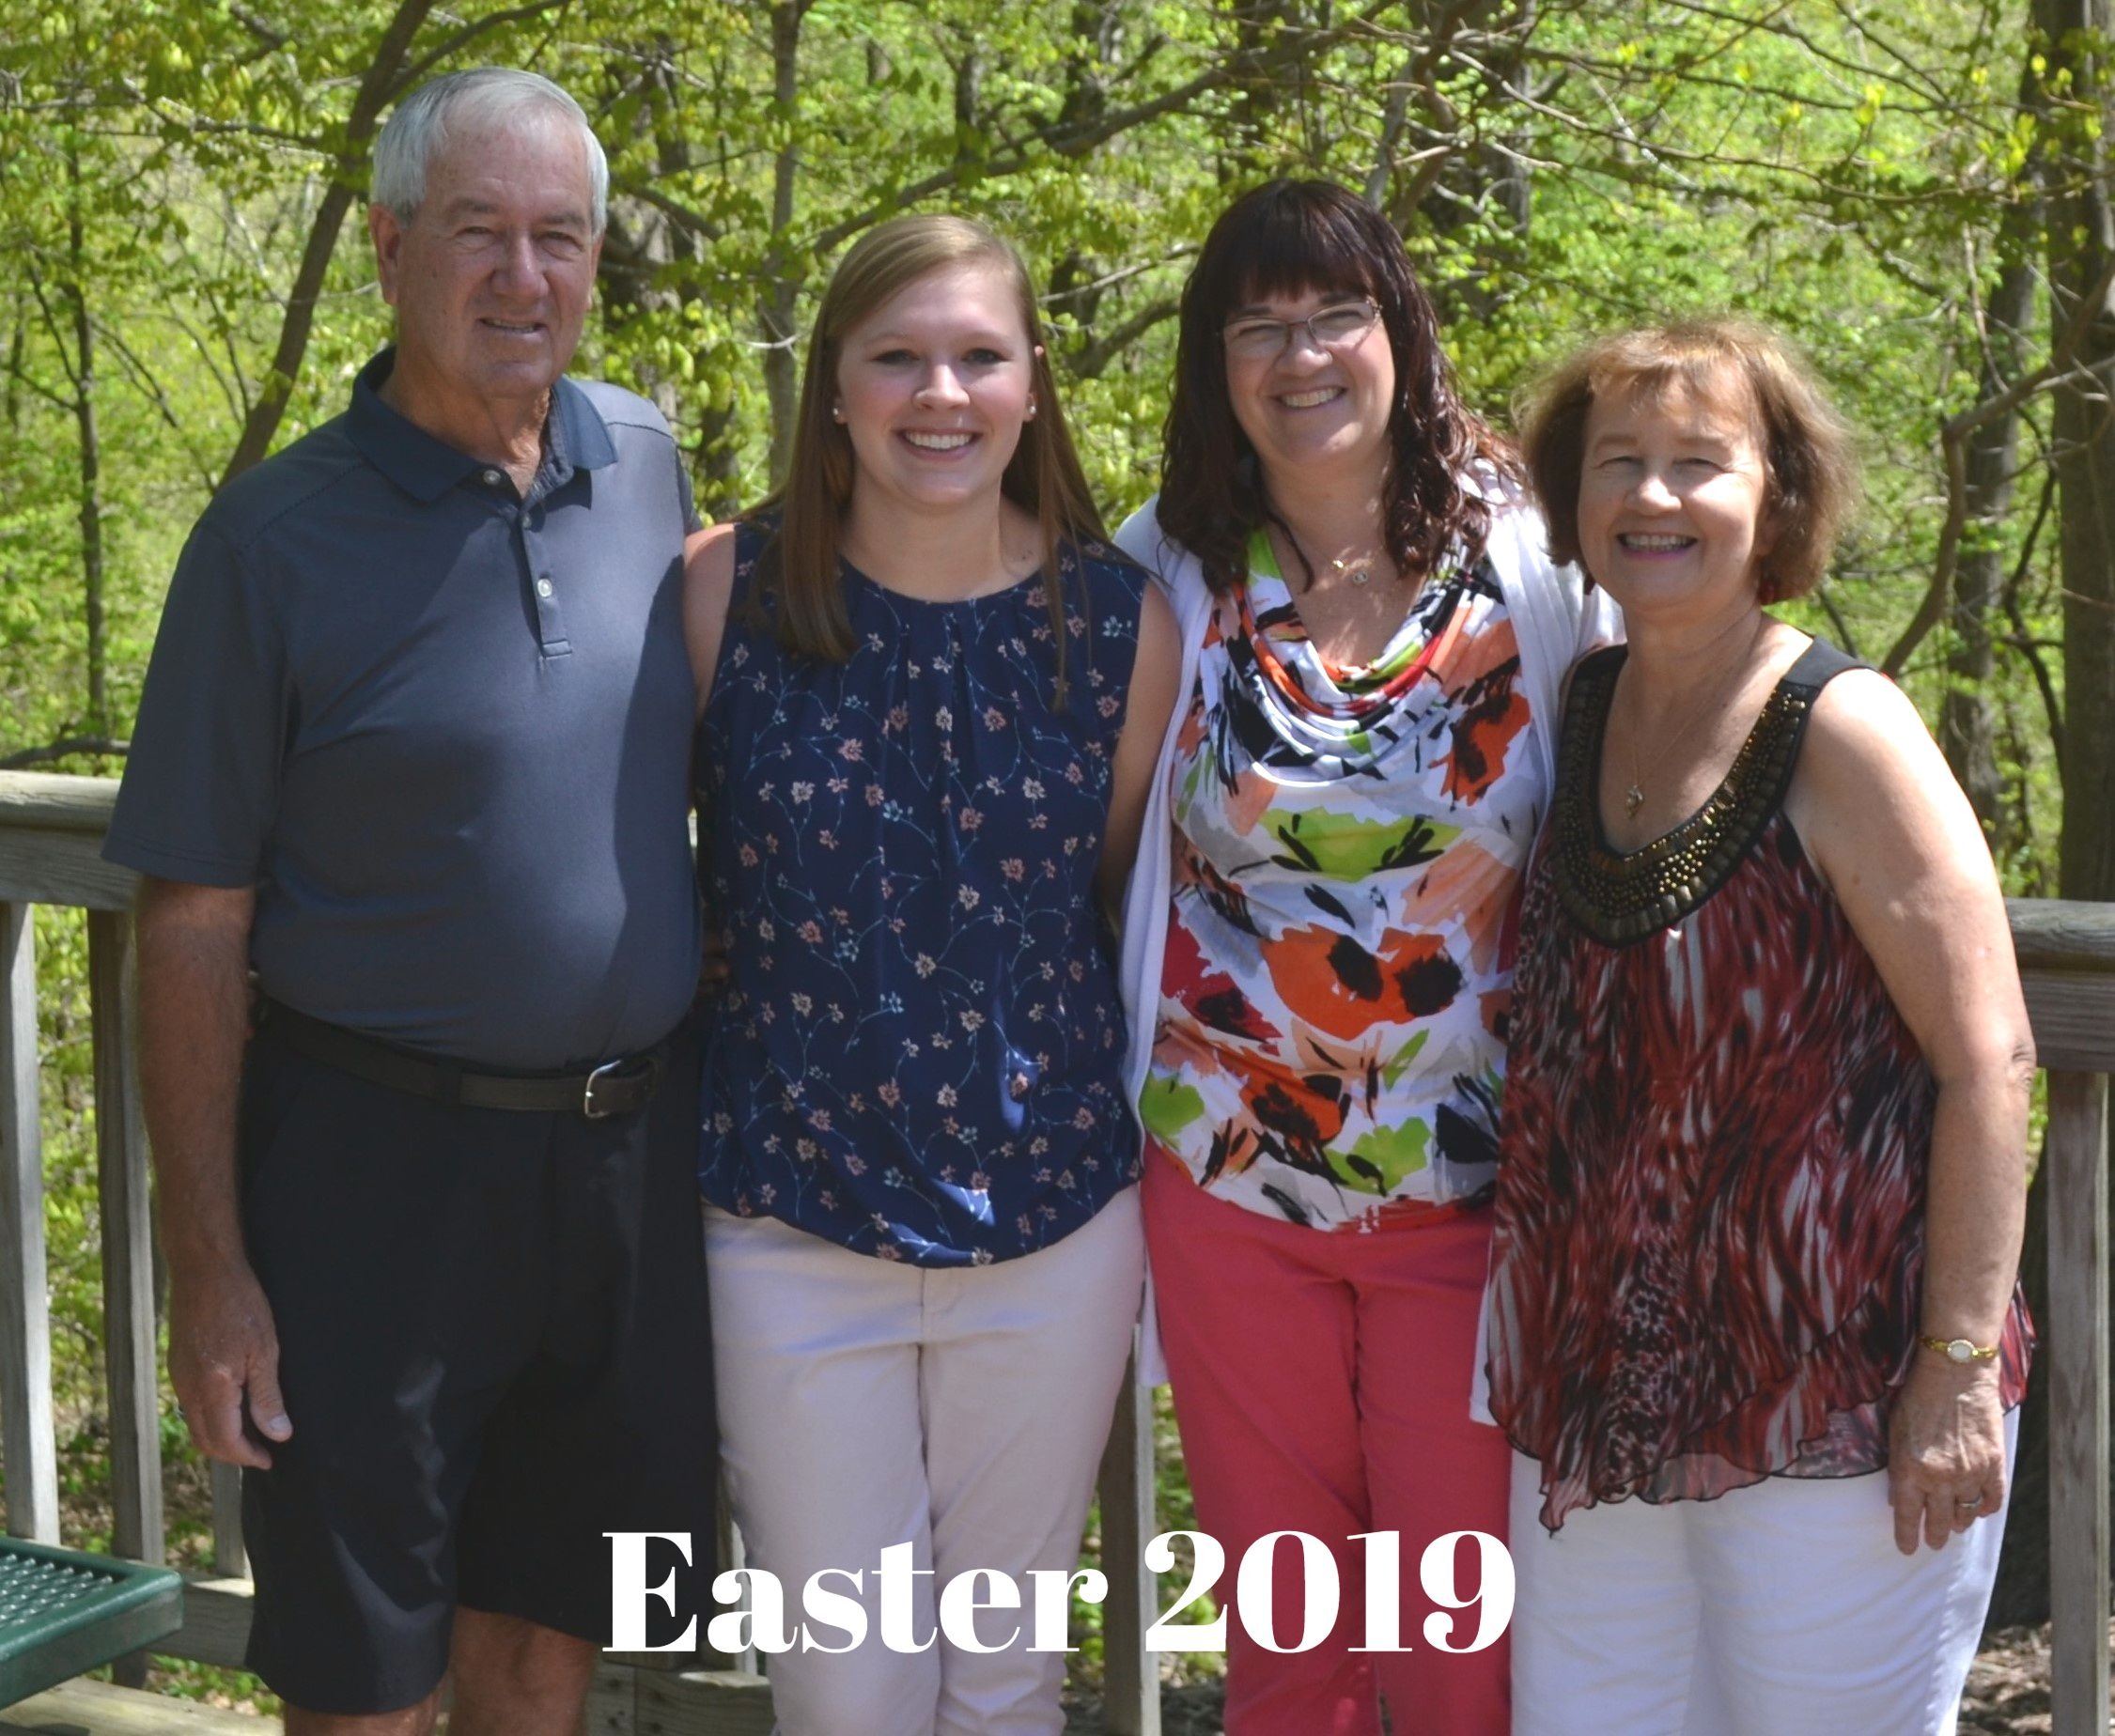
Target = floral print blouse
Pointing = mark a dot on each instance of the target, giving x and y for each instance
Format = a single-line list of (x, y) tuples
[(1347, 844), (919, 1053)]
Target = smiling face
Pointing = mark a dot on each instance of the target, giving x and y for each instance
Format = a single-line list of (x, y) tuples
[(1308, 410), (492, 276), (934, 386), (1673, 496)]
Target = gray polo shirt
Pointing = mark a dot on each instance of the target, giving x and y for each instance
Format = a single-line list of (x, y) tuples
[(444, 730)]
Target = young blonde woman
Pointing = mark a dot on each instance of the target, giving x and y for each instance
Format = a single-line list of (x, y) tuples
[(931, 698)]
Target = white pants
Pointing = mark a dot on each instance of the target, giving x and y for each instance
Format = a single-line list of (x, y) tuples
[(1780, 1607), (866, 1403)]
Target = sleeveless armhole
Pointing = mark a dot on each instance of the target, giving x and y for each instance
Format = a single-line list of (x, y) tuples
[(742, 621)]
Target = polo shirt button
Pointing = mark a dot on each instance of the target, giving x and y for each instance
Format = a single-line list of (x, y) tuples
[(543, 587), (491, 479)]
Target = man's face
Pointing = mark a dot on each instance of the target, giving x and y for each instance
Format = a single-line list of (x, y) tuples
[(491, 279)]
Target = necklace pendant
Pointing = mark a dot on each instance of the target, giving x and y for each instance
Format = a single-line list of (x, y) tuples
[(1633, 800), (1360, 575)]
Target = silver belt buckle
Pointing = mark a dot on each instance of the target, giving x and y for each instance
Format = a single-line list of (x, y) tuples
[(588, 1105)]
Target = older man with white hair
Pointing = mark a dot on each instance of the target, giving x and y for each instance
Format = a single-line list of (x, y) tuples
[(413, 751)]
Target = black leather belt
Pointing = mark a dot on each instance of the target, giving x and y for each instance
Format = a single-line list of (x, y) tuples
[(615, 1088)]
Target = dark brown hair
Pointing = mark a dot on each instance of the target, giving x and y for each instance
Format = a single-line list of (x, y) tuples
[(1289, 238), (799, 587), (1810, 469)]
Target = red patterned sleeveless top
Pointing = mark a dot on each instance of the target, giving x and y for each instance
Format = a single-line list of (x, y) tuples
[(1710, 1226)]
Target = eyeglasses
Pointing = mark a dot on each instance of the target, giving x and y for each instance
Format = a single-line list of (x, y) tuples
[(1330, 328)]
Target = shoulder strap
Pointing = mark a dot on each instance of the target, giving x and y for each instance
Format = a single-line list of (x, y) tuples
[(1593, 679), (1819, 664), (1791, 708)]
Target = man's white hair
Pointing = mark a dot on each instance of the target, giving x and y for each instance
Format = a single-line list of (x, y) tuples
[(480, 102)]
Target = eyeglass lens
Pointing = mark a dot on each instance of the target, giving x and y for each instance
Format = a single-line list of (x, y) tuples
[(1330, 328)]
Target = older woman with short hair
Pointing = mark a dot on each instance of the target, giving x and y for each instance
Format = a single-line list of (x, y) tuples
[(1754, 1326)]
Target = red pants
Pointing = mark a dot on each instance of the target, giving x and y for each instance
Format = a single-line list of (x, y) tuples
[(1321, 1381)]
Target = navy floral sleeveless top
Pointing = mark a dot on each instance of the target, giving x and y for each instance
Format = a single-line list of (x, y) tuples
[(919, 1052)]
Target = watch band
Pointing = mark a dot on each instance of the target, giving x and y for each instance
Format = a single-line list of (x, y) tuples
[(1959, 1350)]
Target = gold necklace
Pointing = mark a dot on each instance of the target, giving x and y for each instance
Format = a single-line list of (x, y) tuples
[(1634, 795), (1357, 568)]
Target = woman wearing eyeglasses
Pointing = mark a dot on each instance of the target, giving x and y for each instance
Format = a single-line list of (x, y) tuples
[(1374, 641)]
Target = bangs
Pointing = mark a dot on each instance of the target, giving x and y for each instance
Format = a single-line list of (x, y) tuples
[(1708, 367), (1292, 246)]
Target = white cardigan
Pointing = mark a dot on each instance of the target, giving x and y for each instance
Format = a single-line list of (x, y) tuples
[(1554, 619)]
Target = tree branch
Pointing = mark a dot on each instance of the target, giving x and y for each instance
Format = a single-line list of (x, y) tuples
[(375, 89), (63, 749), (1070, 139), (2056, 371), (1106, 346), (467, 35)]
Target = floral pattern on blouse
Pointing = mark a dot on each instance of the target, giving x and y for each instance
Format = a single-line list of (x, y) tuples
[(1347, 844), (919, 1051)]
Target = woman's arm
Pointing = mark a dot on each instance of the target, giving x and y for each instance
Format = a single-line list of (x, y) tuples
[(709, 582), (1881, 817), (1156, 674)]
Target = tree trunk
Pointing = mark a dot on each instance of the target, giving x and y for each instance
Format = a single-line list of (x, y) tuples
[(1966, 728), (2080, 239), (778, 301), (97, 718)]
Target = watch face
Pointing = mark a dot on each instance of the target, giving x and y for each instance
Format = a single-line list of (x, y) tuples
[(1960, 1350)]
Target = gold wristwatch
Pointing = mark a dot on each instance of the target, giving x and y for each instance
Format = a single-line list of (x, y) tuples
[(1962, 1351)]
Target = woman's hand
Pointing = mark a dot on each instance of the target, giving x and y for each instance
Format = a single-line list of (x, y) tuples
[(713, 969), (1946, 1452)]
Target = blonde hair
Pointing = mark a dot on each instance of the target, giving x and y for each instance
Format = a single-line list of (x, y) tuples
[(1811, 470), (798, 567)]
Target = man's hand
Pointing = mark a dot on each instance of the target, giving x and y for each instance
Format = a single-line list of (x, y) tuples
[(223, 1362), (195, 1019)]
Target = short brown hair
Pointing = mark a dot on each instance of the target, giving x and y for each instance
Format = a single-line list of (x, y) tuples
[(1810, 468)]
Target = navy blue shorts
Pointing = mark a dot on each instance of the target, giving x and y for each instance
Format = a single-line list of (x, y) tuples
[(494, 1348)]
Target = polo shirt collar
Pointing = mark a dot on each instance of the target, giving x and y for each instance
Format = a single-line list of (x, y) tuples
[(426, 467)]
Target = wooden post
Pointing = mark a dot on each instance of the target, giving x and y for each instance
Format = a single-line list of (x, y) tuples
[(729, 1553), (2077, 1151), (128, 1244), (1130, 1675), (25, 1326), (231, 1560)]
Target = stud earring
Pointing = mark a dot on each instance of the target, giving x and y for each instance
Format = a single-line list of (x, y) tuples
[(837, 412), (1031, 410)]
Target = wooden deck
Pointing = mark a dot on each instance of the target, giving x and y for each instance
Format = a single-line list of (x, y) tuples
[(98, 1709)]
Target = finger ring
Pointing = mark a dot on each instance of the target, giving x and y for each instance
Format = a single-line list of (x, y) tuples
[(1972, 1500)]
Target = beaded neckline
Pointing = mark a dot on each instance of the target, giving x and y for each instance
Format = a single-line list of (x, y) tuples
[(1621, 898)]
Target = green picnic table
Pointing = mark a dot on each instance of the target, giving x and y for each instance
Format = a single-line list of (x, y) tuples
[(63, 1611)]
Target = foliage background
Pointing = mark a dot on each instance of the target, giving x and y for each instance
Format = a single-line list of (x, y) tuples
[(1914, 189)]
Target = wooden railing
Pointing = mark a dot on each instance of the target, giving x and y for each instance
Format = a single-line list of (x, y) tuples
[(2067, 966), (50, 832), (50, 835)]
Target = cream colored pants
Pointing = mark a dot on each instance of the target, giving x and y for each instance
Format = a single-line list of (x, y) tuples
[(866, 1403)]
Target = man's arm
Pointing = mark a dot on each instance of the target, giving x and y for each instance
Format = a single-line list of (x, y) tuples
[(193, 985)]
